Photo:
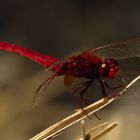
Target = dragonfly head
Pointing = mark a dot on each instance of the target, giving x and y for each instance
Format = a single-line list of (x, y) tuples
[(109, 68)]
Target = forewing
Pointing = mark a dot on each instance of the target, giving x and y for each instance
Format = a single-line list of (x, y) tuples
[(120, 50)]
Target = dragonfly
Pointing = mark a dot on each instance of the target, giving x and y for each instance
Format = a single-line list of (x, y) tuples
[(101, 64)]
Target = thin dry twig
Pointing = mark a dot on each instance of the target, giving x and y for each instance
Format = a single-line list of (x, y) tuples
[(70, 120)]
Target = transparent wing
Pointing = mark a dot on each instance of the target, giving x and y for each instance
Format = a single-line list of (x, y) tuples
[(129, 68), (55, 67), (83, 89), (74, 83), (120, 50), (41, 90)]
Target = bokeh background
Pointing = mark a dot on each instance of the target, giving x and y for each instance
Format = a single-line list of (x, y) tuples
[(59, 28)]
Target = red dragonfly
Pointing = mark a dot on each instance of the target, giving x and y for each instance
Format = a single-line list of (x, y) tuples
[(96, 64)]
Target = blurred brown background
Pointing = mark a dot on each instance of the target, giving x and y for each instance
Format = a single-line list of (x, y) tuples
[(59, 28)]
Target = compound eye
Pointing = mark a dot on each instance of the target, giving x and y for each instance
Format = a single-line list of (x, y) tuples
[(113, 72)]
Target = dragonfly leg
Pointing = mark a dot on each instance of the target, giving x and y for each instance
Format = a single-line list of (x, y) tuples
[(102, 86), (88, 84), (81, 90), (99, 118), (84, 87), (80, 87), (113, 88)]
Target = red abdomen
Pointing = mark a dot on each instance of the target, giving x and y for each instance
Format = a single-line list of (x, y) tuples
[(82, 65)]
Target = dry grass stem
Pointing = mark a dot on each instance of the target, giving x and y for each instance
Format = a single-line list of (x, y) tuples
[(89, 132), (105, 131), (83, 129), (70, 120)]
